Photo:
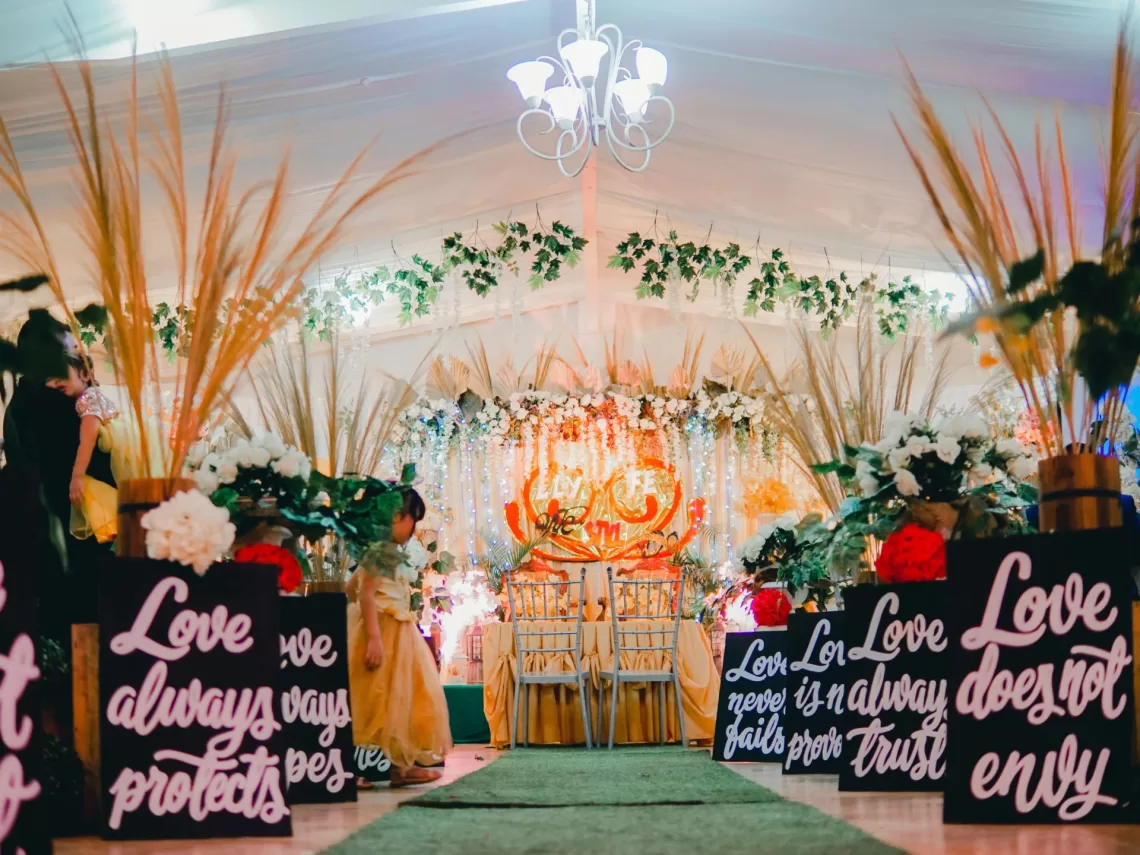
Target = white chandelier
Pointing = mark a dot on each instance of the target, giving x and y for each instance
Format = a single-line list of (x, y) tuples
[(581, 109)]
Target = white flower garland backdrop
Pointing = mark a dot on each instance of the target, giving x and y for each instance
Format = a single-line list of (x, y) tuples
[(567, 448)]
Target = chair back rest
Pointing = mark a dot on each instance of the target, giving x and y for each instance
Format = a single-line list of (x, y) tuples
[(536, 606), (646, 613)]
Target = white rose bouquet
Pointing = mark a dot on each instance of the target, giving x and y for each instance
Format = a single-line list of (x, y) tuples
[(936, 463), (251, 468), (190, 529), (950, 477)]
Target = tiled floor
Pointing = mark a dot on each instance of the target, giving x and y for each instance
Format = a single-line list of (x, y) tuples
[(910, 821), (913, 821)]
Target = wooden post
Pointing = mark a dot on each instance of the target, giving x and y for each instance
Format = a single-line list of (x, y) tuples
[(86, 713)]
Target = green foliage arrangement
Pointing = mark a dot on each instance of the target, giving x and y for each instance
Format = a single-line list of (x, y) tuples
[(660, 262)]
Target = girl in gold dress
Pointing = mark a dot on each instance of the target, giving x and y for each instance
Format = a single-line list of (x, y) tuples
[(94, 503), (397, 698)]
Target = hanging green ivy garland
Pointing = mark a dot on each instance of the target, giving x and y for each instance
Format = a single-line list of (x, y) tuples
[(542, 253), (662, 263)]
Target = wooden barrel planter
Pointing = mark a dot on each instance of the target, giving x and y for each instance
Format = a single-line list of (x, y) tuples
[(1079, 491), (138, 496)]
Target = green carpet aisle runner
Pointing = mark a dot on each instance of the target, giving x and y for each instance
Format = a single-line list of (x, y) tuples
[(648, 801)]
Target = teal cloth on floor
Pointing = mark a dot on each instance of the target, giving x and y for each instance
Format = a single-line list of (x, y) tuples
[(465, 709)]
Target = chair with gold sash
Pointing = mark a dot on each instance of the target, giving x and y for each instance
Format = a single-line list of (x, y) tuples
[(645, 616), (550, 655)]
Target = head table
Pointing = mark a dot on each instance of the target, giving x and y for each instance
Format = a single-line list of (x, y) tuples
[(554, 711)]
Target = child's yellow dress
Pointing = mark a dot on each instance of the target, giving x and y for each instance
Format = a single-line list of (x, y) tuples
[(98, 515), (399, 706)]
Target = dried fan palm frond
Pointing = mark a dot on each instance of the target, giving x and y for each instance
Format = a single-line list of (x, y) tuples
[(726, 363), (507, 379), (563, 378), (684, 376), (242, 279), (680, 384), (592, 381), (629, 375), (482, 381), (648, 386), (448, 378)]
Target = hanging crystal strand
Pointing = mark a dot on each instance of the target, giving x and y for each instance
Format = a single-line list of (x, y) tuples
[(455, 304), (527, 449), (543, 455), (516, 310), (727, 301), (469, 491), (674, 295), (732, 453)]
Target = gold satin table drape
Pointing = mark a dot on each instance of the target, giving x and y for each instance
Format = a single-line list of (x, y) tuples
[(555, 712)]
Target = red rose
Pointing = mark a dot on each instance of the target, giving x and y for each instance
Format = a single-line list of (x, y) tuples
[(912, 554), (771, 607), (290, 576)]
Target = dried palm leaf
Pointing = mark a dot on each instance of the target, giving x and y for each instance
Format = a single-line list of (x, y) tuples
[(976, 219), (482, 381), (448, 378), (820, 409), (241, 280)]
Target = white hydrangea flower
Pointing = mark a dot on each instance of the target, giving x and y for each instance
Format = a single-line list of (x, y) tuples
[(207, 480), (947, 449), (906, 483), (196, 453), (1022, 468), (898, 458), (226, 470), (189, 529)]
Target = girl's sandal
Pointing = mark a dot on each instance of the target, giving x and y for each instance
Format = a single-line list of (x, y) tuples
[(413, 777), (364, 785)]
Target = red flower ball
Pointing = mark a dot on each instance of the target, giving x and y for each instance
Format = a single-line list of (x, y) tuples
[(771, 607), (912, 554), (290, 576)]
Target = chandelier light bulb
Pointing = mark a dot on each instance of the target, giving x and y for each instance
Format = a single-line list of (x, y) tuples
[(652, 67), (565, 102), (530, 78), (585, 56), (634, 95), (594, 106)]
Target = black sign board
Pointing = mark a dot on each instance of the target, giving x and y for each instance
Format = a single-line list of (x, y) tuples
[(188, 666), (23, 525), (315, 709), (817, 674), (371, 764), (895, 639), (1041, 706), (753, 697)]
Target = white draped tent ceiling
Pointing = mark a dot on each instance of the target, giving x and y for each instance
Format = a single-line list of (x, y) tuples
[(783, 132)]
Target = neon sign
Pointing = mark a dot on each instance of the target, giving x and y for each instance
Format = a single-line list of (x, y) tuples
[(626, 517)]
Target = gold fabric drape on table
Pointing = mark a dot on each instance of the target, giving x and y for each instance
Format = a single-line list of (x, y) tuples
[(556, 715)]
